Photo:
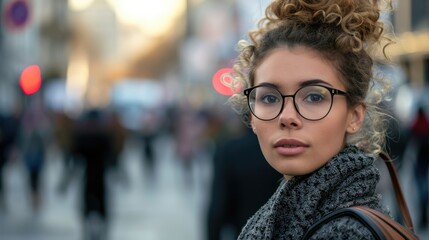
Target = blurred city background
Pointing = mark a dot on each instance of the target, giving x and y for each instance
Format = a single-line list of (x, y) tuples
[(123, 138)]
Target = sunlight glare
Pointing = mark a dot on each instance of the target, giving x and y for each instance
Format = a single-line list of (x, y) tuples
[(79, 5), (78, 72), (153, 17)]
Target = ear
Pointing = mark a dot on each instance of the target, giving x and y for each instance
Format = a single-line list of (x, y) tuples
[(356, 118), (253, 127), (254, 130)]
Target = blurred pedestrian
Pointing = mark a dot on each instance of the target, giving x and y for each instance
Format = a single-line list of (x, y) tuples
[(242, 183), (34, 154), (420, 133), (9, 125), (63, 126), (119, 137), (150, 129), (188, 138), (92, 145), (397, 141), (397, 138), (33, 137)]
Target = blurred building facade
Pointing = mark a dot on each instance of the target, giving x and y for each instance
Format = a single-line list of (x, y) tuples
[(32, 32), (88, 46), (92, 47), (410, 53), (83, 43), (411, 23)]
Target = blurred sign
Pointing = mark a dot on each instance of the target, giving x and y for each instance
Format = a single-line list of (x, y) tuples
[(16, 14)]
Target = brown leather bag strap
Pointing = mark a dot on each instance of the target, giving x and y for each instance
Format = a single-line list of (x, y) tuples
[(398, 191), (354, 212), (390, 228)]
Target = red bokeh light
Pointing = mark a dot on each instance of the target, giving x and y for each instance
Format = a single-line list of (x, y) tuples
[(31, 80), (224, 82)]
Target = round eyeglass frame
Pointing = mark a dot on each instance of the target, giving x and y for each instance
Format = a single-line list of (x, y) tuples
[(332, 91)]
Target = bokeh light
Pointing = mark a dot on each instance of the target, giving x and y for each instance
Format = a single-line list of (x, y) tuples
[(30, 80), (153, 17)]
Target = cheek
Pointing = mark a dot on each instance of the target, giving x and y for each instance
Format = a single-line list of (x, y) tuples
[(267, 135), (262, 131), (334, 130)]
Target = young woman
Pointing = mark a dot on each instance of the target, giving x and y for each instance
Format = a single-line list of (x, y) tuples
[(311, 100)]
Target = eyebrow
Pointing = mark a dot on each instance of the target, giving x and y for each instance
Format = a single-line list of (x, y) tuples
[(301, 84), (313, 82)]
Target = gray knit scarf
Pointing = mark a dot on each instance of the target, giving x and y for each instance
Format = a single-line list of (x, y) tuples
[(349, 178)]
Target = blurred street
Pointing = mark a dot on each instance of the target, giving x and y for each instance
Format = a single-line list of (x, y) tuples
[(166, 208)]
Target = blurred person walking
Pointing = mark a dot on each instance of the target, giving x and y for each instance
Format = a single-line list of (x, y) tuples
[(62, 134), (242, 183), (8, 132), (34, 154), (33, 136), (188, 136), (420, 133), (398, 135), (119, 137), (92, 145), (150, 128)]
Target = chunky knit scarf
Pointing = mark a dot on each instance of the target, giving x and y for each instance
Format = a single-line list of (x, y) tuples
[(348, 179)]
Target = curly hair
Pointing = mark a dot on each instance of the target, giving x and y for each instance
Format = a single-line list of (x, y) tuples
[(347, 33)]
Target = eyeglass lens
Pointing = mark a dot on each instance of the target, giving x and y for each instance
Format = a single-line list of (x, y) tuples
[(311, 102)]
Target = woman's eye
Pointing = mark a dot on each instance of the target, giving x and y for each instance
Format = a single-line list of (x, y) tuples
[(269, 99), (314, 97)]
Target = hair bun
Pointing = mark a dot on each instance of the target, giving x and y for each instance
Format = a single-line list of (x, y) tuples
[(357, 19)]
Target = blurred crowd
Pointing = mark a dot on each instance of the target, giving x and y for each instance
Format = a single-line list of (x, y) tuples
[(91, 144)]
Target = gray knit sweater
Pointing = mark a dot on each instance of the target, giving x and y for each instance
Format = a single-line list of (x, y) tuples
[(348, 179)]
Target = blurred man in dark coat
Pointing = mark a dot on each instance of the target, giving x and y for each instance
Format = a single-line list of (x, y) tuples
[(420, 133), (92, 144), (242, 182), (9, 125)]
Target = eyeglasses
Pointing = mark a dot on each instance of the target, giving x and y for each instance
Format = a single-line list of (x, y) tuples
[(312, 102)]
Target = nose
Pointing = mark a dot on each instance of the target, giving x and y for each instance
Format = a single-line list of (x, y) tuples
[(289, 116)]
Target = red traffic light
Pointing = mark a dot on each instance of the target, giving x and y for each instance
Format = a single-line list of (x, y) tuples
[(31, 80)]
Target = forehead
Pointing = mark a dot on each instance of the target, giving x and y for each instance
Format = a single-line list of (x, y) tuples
[(291, 67)]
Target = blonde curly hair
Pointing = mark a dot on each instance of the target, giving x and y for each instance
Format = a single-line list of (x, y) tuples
[(346, 33)]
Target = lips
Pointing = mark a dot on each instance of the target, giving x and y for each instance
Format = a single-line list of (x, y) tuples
[(290, 147), (290, 143)]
